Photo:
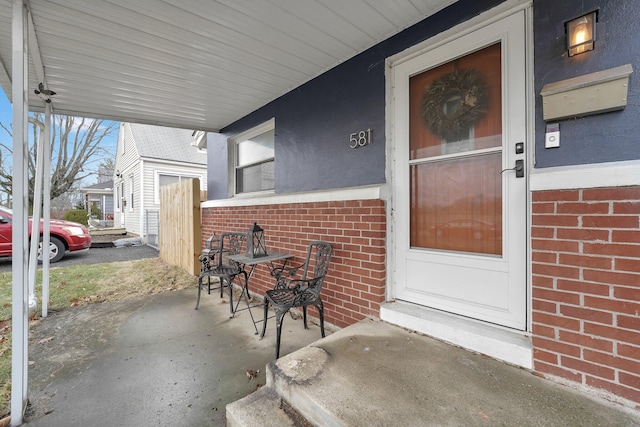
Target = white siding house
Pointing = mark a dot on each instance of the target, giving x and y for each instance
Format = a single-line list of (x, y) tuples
[(100, 195), (147, 158)]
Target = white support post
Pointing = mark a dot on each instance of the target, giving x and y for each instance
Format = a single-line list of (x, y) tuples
[(20, 312), (35, 223), (46, 207)]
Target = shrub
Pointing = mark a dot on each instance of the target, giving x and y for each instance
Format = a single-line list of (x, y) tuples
[(77, 215), (95, 211)]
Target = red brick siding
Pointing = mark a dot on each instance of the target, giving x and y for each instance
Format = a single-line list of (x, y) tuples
[(586, 287), (355, 285)]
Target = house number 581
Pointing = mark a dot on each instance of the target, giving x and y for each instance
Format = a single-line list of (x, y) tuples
[(360, 139)]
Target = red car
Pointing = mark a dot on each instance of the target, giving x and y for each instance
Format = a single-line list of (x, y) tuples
[(65, 236)]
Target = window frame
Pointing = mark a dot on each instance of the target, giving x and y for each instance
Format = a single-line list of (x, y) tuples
[(234, 141)]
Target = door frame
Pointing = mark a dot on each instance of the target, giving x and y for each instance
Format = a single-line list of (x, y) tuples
[(496, 14)]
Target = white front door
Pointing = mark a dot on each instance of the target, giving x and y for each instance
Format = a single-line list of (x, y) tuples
[(459, 130)]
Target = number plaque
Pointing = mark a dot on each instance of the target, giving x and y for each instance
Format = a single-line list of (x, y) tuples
[(360, 139)]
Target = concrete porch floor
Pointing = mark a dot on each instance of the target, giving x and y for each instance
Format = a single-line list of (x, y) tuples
[(155, 361), (149, 361)]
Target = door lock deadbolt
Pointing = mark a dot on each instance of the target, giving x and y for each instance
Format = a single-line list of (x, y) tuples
[(519, 147)]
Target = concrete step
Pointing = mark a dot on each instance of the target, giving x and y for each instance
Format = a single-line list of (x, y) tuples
[(263, 408), (107, 231), (291, 375), (376, 374), (101, 244)]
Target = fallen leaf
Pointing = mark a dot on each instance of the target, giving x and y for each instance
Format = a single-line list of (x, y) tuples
[(251, 373), (43, 340)]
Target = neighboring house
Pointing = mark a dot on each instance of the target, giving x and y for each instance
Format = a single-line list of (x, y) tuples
[(147, 158), (423, 160), (100, 196)]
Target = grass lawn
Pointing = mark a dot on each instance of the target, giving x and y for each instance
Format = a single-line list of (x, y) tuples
[(80, 285)]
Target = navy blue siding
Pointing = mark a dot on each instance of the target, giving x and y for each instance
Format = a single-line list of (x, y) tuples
[(217, 166), (600, 138), (313, 121)]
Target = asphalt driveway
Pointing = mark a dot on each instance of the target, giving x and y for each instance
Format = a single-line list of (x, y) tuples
[(96, 256)]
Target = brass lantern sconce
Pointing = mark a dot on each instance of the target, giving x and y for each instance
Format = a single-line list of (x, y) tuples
[(581, 33), (256, 246)]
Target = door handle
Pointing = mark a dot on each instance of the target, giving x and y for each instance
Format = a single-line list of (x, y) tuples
[(519, 168)]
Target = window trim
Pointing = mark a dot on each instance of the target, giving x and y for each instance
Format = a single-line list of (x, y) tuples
[(233, 142)]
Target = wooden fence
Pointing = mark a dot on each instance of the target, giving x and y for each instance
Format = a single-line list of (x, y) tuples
[(181, 225)]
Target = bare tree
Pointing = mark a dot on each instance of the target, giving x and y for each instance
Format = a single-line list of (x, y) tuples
[(75, 152), (105, 170)]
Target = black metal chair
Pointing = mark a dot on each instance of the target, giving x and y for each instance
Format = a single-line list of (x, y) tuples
[(299, 292), (215, 262)]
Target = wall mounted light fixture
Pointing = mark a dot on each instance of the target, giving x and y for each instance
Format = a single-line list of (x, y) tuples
[(118, 174), (581, 33)]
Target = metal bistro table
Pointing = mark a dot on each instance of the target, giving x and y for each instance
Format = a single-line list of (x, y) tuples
[(251, 263)]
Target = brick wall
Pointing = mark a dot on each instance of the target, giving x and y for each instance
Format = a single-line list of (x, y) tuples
[(355, 285), (586, 287)]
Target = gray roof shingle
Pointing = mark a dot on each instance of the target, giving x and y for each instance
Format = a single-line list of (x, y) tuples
[(99, 186), (165, 143)]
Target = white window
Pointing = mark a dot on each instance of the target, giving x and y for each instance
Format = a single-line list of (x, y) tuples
[(131, 198), (254, 159), (167, 178), (118, 196)]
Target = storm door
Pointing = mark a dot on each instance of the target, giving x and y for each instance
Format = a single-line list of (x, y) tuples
[(460, 187)]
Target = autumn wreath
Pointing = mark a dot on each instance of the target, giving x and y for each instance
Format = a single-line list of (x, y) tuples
[(454, 103)]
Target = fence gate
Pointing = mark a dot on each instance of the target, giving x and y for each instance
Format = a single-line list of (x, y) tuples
[(180, 227), (152, 228)]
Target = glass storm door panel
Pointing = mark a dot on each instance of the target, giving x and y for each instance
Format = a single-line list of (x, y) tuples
[(455, 144), (459, 110)]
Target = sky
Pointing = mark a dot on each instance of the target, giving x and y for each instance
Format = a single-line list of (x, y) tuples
[(109, 143)]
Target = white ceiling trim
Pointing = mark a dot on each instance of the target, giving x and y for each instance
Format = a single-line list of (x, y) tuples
[(196, 64)]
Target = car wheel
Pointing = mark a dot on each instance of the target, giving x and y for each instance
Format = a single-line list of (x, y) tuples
[(56, 250)]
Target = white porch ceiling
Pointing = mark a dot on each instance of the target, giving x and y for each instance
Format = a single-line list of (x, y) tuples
[(197, 64)]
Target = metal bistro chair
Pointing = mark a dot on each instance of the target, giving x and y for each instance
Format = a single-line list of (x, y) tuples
[(300, 292), (215, 262)]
